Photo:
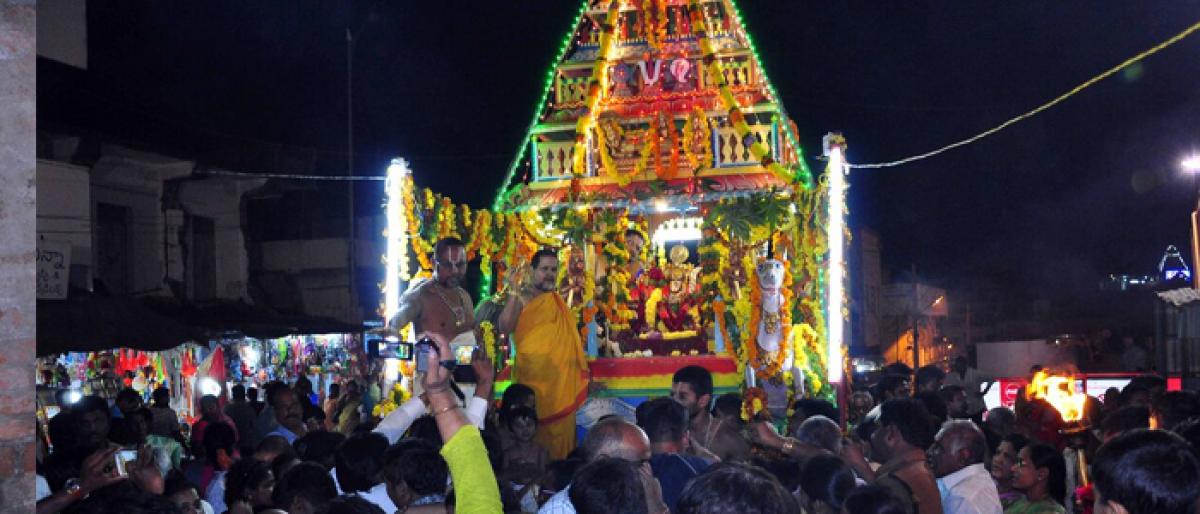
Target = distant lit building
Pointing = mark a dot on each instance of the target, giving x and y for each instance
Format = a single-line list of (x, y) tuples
[(1172, 267), (1173, 271), (1129, 282)]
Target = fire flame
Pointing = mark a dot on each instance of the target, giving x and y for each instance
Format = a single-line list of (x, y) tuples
[(1058, 391)]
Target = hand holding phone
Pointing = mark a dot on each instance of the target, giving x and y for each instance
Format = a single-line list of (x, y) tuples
[(122, 459), (425, 345)]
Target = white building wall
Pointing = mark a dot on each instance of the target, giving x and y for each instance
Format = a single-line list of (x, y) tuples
[(137, 184), (220, 199), (64, 213)]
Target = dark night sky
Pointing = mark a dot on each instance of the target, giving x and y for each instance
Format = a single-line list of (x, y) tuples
[(1043, 209)]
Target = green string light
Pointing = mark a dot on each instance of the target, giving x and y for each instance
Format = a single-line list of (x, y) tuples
[(539, 109), (787, 127), (485, 284)]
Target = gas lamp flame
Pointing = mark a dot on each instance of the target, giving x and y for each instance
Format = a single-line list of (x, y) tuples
[(1058, 391)]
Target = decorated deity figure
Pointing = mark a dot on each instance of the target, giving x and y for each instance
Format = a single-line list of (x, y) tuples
[(770, 328), (572, 286), (734, 275), (675, 308)]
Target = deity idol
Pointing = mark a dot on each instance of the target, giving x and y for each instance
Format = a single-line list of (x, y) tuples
[(572, 287), (676, 311), (770, 328)]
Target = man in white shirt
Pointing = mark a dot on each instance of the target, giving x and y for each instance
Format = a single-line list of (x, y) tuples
[(398, 421), (957, 457), (963, 375)]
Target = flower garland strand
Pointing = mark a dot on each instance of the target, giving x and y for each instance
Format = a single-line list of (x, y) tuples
[(754, 402), (596, 85), (488, 331), (712, 64), (697, 125)]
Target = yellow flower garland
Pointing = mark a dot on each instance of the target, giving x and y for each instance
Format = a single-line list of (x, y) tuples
[(697, 120), (652, 302), (488, 331), (596, 85), (716, 76), (654, 27), (754, 401)]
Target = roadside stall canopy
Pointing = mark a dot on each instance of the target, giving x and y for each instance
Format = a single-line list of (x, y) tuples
[(88, 322), (248, 319)]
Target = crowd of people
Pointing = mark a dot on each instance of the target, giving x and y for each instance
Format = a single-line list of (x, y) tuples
[(917, 443)]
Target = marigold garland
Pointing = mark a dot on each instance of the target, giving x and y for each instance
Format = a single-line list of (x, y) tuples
[(596, 85), (639, 226), (652, 302), (399, 396), (697, 125), (654, 26), (718, 307), (716, 75), (606, 161), (488, 332), (754, 402)]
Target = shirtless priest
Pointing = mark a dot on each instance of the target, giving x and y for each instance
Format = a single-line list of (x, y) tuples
[(440, 306)]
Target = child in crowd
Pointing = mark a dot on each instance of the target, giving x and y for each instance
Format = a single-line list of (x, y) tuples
[(525, 461)]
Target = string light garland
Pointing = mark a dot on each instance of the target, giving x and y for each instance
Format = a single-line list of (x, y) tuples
[(596, 86), (539, 111), (788, 130)]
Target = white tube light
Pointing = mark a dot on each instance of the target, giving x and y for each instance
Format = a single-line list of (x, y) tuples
[(397, 238), (837, 269)]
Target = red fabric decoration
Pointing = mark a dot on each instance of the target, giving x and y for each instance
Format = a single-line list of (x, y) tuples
[(188, 367)]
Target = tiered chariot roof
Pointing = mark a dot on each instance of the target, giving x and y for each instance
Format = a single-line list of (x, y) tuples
[(658, 97)]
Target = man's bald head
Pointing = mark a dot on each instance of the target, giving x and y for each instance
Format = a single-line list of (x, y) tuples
[(959, 444), (616, 438)]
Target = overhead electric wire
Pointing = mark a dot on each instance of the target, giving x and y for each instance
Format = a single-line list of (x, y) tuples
[(1086, 84)]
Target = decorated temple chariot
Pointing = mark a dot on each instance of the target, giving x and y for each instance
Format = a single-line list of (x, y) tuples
[(663, 168)]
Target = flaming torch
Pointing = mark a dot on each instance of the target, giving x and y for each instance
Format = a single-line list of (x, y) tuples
[(1059, 392)]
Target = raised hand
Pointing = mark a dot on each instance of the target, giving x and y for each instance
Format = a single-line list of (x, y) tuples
[(144, 472), (95, 472), (485, 372), (437, 378)]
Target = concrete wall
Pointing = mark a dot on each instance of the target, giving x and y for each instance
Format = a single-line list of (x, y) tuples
[(17, 222), (134, 180), (64, 213), (316, 270), (221, 200)]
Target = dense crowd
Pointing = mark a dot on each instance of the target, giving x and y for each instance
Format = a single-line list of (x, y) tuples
[(917, 443)]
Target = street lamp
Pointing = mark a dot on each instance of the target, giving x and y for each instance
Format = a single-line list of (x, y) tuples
[(1192, 165)]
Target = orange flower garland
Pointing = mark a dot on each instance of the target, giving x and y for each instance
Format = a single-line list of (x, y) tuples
[(718, 307)]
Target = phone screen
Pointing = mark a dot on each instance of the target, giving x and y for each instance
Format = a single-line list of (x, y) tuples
[(423, 347), (122, 459)]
